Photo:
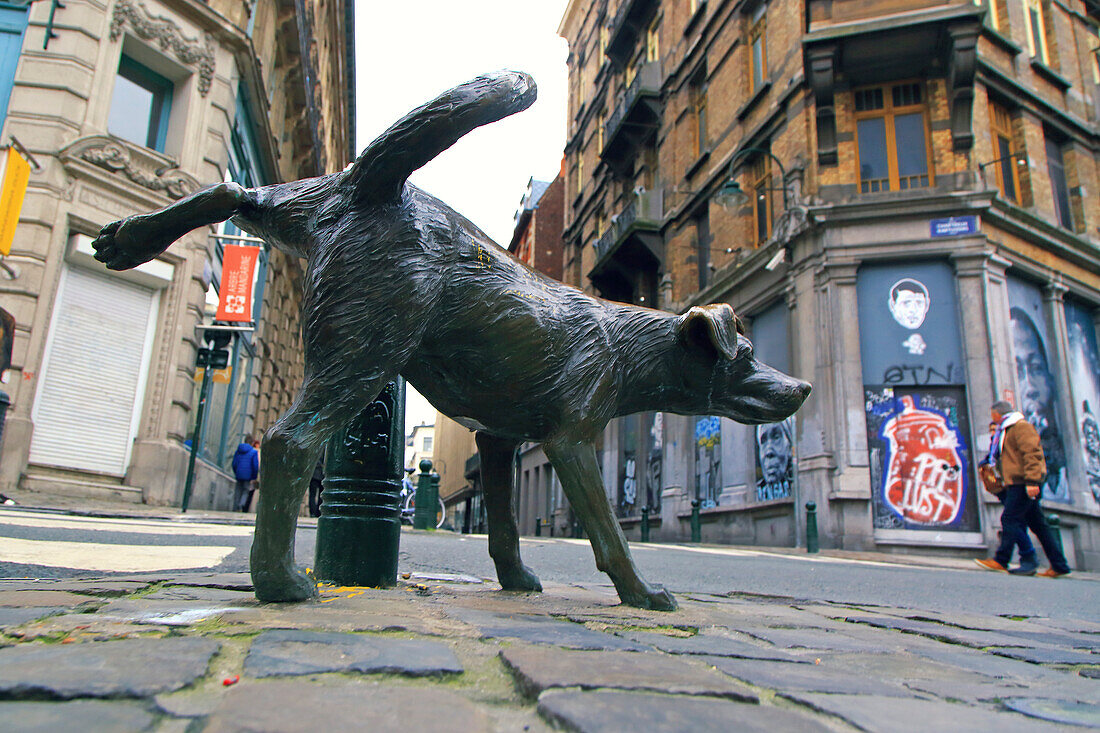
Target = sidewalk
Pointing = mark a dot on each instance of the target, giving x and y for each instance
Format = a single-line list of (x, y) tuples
[(195, 651)]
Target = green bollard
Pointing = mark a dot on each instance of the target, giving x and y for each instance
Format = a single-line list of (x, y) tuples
[(427, 497), (538, 526), (811, 527), (696, 522), (645, 524), (1055, 524), (359, 530)]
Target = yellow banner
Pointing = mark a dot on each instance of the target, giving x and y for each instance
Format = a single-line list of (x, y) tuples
[(16, 174)]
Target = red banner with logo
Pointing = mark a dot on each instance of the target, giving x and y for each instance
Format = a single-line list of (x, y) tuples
[(238, 266)]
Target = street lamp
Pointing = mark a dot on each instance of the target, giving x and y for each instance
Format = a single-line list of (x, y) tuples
[(730, 195)]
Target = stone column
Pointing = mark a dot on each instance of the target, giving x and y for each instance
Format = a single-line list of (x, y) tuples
[(1058, 350)]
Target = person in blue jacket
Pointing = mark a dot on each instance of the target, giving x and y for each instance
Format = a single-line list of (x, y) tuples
[(246, 468)]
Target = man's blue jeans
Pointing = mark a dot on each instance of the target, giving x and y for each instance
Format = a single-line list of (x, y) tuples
[(1021, 513)]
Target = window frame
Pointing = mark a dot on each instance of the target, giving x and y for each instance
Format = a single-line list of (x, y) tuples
[(1034, 15), (758, 31), (1000, 126), (653, 40), (697, 89), (889, 113), (1063, 206), (760, 176), (161, 87)]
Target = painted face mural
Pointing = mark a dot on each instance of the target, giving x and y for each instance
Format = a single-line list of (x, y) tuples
[(1037, 395), (775, 458), (924, 478), (909, 302)]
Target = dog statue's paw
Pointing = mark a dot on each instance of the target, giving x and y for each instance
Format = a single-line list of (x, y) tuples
[(652, 597), (127, 243), (283, 586), (518, 577)]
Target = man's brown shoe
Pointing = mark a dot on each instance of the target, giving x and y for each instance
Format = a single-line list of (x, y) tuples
[(990, 564), (1051, 573)]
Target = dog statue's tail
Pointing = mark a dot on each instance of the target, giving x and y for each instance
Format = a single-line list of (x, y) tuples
[(380, 172)]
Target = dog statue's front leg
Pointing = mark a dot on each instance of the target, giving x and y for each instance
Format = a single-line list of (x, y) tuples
[(496, 474), (579, 472)]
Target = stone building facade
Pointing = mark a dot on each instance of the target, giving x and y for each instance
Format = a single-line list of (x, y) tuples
[(917, 235), (127, 105)]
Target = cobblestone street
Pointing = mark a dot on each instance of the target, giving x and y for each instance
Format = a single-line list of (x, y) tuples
[(187, 651)]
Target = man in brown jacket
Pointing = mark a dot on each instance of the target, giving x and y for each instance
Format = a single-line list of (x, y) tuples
[(1017, 458)]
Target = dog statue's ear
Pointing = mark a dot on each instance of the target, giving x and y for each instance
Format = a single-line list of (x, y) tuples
[(712, 329)]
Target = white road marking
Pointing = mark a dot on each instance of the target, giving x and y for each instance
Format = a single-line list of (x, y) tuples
[(135, 526), (116, 558)]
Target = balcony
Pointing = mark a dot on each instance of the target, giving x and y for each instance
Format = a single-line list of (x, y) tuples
[(626, 26), (635, 119), (631, 252)]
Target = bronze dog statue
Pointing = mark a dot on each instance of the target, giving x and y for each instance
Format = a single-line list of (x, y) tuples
[(398, 283)]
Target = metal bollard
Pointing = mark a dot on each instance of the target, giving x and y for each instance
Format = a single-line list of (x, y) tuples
[(1055, 524), (359, 530), (427, 497), (538, 526), (696, 522), (645, 524), (811, 527)]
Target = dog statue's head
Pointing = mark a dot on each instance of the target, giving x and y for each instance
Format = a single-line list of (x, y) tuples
[(720, 365)]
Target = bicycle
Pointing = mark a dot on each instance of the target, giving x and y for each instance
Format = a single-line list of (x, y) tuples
[(408, 508)]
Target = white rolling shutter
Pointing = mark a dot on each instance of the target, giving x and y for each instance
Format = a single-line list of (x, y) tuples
[(93, 375)]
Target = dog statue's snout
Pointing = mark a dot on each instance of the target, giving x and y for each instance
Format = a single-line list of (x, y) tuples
[(804, 389)]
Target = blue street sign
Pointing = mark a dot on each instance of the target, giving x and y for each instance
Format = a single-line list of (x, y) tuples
[(954, 226)]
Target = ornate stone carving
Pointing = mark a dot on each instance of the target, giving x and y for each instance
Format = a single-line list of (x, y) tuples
[(195, 53), (144, 167), (961, 64)]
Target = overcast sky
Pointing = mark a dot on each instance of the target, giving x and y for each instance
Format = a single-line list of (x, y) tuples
[(407, 53)]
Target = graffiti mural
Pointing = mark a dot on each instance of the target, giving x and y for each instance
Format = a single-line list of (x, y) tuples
[(708, 457), (1036, 387), (920, 459), (1084, 372), (774, 460)]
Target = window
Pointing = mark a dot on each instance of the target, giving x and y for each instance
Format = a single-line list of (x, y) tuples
[(702, 245), (993, 16), (140, 104), (601, 223), (426, 447), (1036, 30), (582, 84), (601, 120), (580, 172), (762, 199), (758, 52), (1056, 169), (1005, 160), (698, 92), (653, 40), (605, 36), (891, 137)]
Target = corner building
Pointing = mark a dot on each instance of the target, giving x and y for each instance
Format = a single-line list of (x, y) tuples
[(127, 106), (916, 234)]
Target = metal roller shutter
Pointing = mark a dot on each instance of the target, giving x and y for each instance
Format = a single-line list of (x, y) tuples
[(93, 376)]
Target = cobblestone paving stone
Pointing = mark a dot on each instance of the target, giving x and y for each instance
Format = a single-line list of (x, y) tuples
[(124, 668), (284, 652), (606, 711), (93, 715), (173, 649)]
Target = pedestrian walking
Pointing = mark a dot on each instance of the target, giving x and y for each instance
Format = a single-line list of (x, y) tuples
[(246, 469), (992, 483), (1017, 460)]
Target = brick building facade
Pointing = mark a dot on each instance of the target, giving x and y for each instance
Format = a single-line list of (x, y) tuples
[(917, 236)]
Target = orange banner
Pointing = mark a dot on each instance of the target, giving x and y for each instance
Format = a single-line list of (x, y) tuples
[(238, 265)]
